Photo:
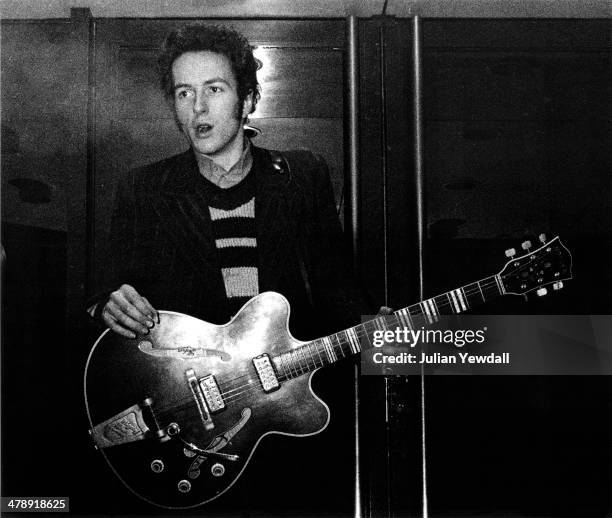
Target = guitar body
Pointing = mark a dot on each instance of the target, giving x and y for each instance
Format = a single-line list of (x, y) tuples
[(139, 392), (179, 412)]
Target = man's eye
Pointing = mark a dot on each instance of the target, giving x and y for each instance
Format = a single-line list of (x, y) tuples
[(215, 89), (181, 94)]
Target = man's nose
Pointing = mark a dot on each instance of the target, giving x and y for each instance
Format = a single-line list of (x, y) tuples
[(201, 103)]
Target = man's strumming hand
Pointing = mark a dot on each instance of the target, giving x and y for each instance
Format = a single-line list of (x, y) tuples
[(128, 313)]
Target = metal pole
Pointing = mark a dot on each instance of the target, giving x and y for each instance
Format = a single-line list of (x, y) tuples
[(418, 148), (420, 216), (352, 127), (383, 156), (352, 153)]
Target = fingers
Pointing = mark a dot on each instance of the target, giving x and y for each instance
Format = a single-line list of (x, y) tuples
[(152, 312), (112, 324), (385, 310), (128, 313), (138, 307)]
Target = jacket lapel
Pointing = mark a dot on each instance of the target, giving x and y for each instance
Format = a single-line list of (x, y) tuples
[(182, 211), (275, 208)]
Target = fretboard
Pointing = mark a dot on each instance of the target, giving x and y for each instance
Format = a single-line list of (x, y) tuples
[(330, 349)]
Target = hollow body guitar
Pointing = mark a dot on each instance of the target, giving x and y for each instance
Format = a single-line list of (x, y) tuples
[(178, 413)]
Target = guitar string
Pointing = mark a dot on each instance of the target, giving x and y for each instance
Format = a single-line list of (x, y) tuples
[(176, 403), (300, 370), (296, 371)]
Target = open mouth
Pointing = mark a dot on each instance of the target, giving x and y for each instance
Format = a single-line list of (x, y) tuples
[(201, 130)]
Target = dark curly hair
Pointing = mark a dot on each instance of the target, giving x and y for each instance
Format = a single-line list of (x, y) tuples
[(214, 38)]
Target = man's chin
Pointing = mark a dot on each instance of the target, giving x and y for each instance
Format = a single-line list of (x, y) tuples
[(203, 148)]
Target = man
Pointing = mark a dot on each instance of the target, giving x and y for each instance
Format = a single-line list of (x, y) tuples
[(202, 232)]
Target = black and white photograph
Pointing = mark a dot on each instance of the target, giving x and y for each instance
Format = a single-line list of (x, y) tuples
[(306, 259)]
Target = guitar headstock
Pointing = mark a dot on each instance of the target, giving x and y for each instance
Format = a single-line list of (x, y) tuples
[(550, 264)]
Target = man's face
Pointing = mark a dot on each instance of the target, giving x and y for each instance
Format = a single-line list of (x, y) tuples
[(207, 105)]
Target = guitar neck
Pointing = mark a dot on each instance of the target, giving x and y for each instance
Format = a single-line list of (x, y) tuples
[(330, 349)]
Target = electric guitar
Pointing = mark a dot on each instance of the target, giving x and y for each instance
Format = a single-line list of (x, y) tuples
[(178, 413)]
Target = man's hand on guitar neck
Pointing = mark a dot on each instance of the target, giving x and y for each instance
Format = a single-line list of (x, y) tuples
[(128, 313), (384, 310)]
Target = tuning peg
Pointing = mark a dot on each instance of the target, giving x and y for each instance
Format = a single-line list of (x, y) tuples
[(526, 245), (557, 285), (510, 253), (542, 238), (541, 292)]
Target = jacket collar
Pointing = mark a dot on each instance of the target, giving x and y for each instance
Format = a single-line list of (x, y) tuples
[(186, 214)]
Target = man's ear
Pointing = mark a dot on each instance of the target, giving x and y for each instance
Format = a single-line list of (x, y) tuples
[(247, 105)]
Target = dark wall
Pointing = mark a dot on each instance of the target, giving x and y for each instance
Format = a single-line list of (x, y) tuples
[(517, 138), (44, 137), (517, 143)]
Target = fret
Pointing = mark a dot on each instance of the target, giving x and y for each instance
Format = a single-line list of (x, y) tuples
[(452, 297), (318, 346), (381, 323), (307, 352), (404, 317), (472, 295), (428, 310), (425, 311), (460, 299), (481, 293), (278, 364), (295, 360), (305, 359), (312, 356), (331, 355), (366, 331), (463, 299), (292, 366), (297, 364), (308, 356), (283, 358), (281, 362), (353, 341), (397, 322), (415, 312), (300, 358), (317, 349), (434, 308), (339, 344)]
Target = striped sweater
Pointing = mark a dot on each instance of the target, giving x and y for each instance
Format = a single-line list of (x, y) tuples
[(232, 214)]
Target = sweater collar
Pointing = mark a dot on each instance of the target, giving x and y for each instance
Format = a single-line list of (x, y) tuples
[(212, 171)]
